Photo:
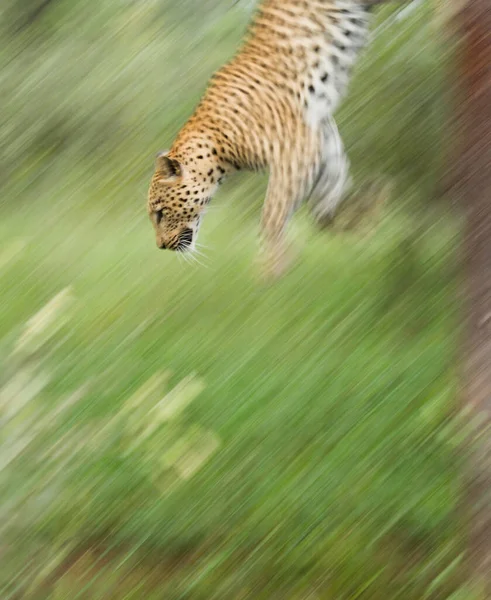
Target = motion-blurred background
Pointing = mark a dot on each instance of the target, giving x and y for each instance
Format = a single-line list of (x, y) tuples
[(179, 431)]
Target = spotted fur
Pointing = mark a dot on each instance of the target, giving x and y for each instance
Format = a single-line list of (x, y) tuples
[(271, 107)]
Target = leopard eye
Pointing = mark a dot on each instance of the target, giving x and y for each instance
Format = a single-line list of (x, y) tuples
[(159, 215)]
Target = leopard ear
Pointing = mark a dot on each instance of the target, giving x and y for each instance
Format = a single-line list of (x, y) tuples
[(167, 168)]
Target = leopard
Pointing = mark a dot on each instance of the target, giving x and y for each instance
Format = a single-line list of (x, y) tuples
[(269, 108)]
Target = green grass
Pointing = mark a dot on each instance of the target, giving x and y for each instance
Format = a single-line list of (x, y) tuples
[(318, 416), (331, 392)]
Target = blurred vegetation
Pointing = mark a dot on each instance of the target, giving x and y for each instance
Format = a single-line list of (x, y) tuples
[(314, 453), (94, 88)]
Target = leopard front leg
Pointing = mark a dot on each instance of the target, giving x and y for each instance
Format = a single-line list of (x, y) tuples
[(278, 207), (289, 183)]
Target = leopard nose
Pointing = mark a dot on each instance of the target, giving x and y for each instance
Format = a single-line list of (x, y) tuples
[(162, 245)]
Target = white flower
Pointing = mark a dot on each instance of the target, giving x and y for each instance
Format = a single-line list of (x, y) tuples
[(191, 452), (11, 252), (19, 391), (45, 323), (175, 401)]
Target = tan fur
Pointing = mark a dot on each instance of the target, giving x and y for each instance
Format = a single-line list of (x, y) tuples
[(269, 108)]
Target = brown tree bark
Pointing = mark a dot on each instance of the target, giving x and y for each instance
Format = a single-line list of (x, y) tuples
[(471, 186)]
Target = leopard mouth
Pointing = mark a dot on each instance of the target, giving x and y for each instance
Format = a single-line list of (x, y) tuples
[(185, 240)]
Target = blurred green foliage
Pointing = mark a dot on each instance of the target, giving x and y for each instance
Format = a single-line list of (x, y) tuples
[(95, 82), (97, 88), (316, 454)]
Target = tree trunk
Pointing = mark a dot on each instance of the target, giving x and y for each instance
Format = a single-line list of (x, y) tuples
[(472, 188)]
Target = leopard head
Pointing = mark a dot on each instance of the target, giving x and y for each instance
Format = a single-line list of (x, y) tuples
[(179, 193)]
